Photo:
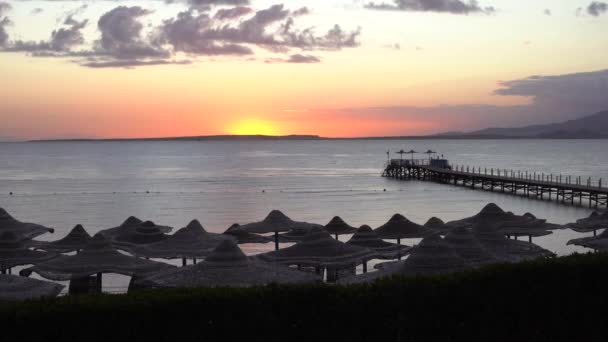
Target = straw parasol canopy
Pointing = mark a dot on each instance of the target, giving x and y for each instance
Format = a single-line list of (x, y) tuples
[(337, 226), (299, 234), (366, 237), (320, 250), (431, 256), (142, 234), (14, 288), (192, 241), (590, 224), (436, 224), (97, 257), (76, 239), (21, 229), (243, 236), (131, 223), (495, 242), (598, 243), (466, 245), (227, 265), (398, 227), (276, 222), (507, 222), (14, 252)]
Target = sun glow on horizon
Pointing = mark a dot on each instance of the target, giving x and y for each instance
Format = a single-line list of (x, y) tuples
[(252, 127)]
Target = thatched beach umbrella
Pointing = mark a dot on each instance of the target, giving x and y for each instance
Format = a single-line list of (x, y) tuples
[(190, 242), (14, 251), (21, 229), (337, 226), (507, 222), (76, 240), (243, 236), (276, 222), (465, 244), (96, 258), (436, 224), (321, 251), (145, 233), (598, 243), (431, 256), (590, 224), (366, 237), (398, 227), (299, 234), (130, 224), (14, 288), (495, 242), (227, 265)]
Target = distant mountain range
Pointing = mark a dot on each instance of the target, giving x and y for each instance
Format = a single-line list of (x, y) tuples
[(590, 127)]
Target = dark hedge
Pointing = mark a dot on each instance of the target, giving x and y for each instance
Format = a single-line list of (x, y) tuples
[(546, 300)]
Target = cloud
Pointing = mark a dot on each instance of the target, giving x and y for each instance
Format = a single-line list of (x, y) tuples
[(37, 10), (298, 58), (4, 21), (61, 41), (441, 6), (547, 12), (203, 4), (597, 8), (232, 13), (195, 32), (129, 64), (272, 28)]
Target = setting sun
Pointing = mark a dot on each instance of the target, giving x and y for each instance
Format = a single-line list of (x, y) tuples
[(252, 127)]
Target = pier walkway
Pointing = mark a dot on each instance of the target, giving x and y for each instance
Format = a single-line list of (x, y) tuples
[(533, 185)]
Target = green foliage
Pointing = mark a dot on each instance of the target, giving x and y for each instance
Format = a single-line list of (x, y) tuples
[(560, 298)]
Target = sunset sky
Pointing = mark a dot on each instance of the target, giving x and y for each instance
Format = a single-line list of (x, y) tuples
[(336, 68)]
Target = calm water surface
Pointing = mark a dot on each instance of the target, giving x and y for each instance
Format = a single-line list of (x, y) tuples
[(100, 184)]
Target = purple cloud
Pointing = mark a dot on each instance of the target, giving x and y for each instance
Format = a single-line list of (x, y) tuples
[(441, 6)]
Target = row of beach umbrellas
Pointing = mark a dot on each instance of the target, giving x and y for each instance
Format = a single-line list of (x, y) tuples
[(470, 242)]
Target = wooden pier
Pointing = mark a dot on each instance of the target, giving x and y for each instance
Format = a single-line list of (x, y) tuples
[(532, 185)]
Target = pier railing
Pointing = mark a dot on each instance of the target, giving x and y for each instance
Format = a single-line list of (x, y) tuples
[(548, 178)]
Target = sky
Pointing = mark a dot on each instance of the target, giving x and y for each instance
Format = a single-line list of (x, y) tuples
[(334, 68)]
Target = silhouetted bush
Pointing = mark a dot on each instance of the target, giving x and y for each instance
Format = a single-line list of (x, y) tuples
[(546, 300)]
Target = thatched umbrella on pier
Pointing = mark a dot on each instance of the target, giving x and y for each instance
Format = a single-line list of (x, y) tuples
[(337, 226), (21, 229), (76, 240), (14, 251), (398, 227), (96, 258), (243, 236), (14, 288), (436, 224), (431, 256), (321, 251), (465, 244), (598, 243), (504, 249), (130, 224), (227, 265), (276, 222), (590, 224), (368, 238), (190, 242)]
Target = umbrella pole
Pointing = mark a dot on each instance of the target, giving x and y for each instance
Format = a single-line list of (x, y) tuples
[(194, 261), (183, 262), (3, 271), (337, 237), (99, 283), (365, 267), (530, 238), (276, 241)]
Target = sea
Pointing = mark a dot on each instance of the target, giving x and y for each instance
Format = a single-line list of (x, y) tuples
[(100, 183)]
